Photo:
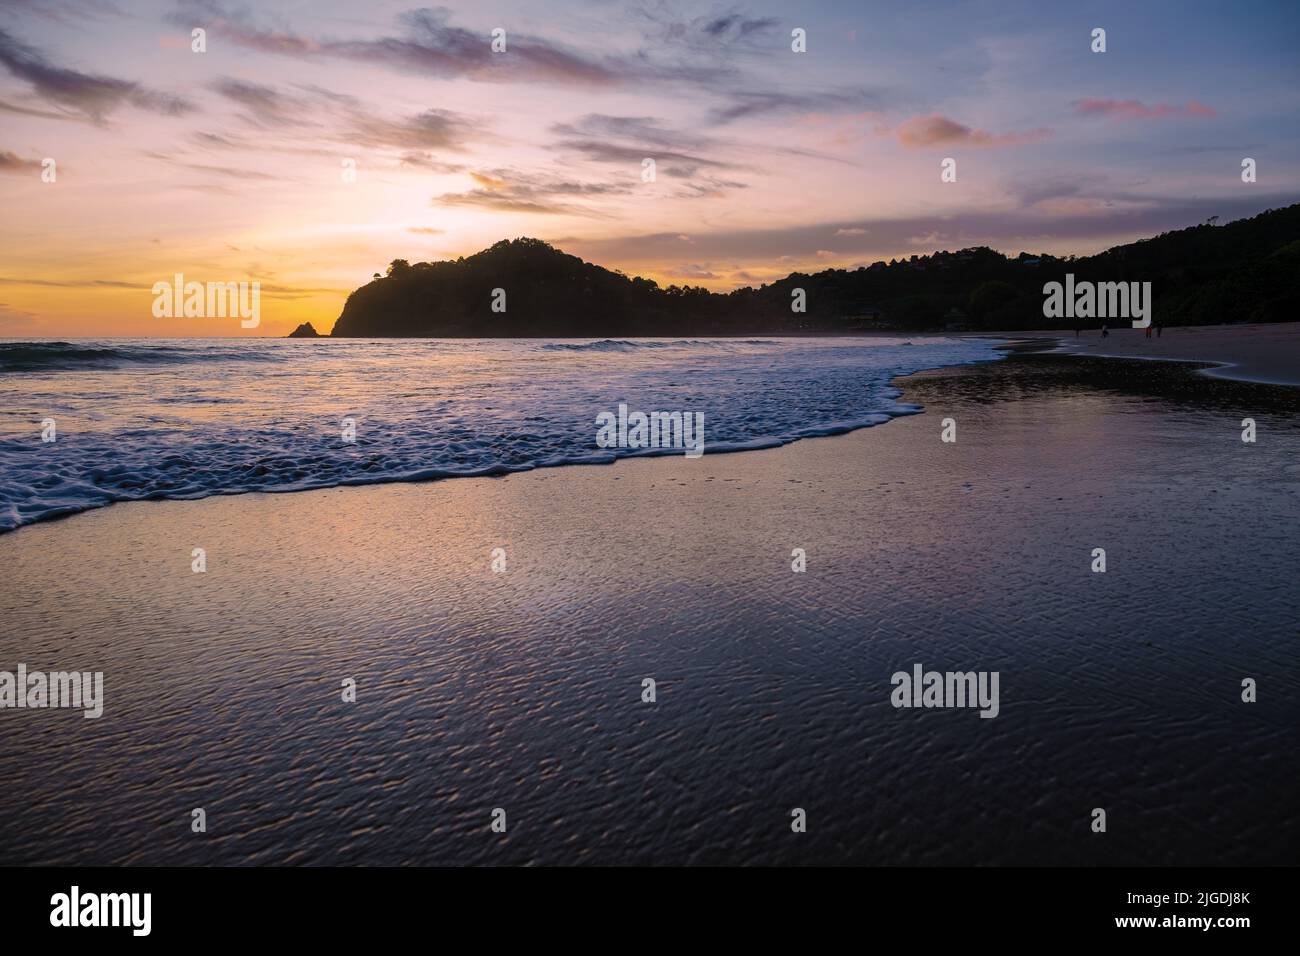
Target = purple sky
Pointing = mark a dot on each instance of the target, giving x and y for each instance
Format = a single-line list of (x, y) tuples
[(230, 164)]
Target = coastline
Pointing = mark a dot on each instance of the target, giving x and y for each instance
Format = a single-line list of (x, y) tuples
[(1258, 354), (414, 410), (1267, 354), (522, 689)]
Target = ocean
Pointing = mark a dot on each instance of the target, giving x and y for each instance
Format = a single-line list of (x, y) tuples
[(520, 685), (354, 679), (140, 419)]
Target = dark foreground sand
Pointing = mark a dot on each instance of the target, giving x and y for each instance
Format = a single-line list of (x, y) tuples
[(522, 690)]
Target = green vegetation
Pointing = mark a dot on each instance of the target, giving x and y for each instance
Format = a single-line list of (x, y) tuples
[(1245, 271)]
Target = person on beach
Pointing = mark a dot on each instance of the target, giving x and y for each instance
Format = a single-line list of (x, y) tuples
[(1105, 332), (1077, 330), (1159, 329), (1149, 324)]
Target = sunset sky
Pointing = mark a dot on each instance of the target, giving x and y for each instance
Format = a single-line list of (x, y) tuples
[(228, 165)]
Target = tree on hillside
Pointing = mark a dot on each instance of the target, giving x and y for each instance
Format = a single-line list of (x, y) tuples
[(988, 297)]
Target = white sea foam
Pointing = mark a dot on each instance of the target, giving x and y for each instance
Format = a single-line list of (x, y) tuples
[(139, 419)]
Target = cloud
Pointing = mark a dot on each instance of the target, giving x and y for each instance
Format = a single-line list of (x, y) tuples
[(425, 161), (314, 112), (1135, 109), (742, 104), (931, 239), (91, 97), (748, 104), (219, 140), (65, 11), (708, 187), (428, 44), (692, 271), (13, 163), (676, 153), (1071, 192), (851, 231), (489, 182), (669, 162), (1030, 190), (935, 130), (1008, 229), (425, 230), (512, 191), (15, 320), (432, 129), (230, 172), (518, 184), (485, 199), (28, 111), (213, 17), (264, 105), (214, 189), (711, 33), (1079, 193), (644, 130), (432, 46), (72, 283), (735, 26)]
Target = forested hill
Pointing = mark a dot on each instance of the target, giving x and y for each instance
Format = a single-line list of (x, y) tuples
[(1247, 270)]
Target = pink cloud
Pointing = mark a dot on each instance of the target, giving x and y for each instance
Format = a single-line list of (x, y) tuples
[(1135, 109), (693, 270), (935, 130)]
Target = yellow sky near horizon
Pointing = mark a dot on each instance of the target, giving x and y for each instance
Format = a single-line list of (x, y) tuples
[(232, 164)]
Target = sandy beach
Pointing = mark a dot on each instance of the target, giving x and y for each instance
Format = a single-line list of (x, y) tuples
[(523, 690), (1253, 353)]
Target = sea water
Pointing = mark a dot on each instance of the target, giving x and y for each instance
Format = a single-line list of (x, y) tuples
[(87, 423)]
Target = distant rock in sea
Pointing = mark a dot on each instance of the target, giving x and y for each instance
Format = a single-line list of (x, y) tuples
[(304, 331)]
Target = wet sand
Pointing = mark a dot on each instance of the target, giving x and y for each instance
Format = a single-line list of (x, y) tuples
[(522, 690)]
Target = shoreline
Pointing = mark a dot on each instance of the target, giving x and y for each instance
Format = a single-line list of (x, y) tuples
[(1012, 344), (522, 689), (1263, 353), (777, 430), (1248, 352)]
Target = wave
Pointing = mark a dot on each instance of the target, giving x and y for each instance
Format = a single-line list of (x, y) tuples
[(226, 466), (386, 412), (623, 345), (65, 356)]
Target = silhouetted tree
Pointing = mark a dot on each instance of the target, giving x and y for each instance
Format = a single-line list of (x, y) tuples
[(1241, 271)]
